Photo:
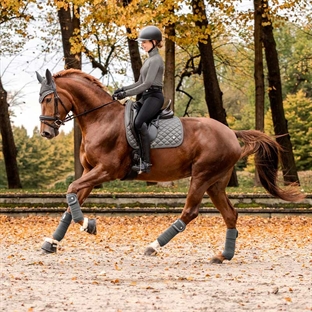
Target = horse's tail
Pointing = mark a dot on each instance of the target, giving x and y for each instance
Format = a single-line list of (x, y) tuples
[(266, 151)]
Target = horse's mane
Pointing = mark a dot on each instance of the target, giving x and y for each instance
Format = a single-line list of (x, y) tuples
[(77, 72)]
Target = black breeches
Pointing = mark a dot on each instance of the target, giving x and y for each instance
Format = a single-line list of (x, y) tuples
[(151, 106)]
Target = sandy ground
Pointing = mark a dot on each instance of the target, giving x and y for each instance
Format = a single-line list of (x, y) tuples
[(271, 270)]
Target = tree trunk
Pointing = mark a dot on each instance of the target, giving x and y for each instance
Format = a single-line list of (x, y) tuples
[(8, 146), (258, 66), (69, 22), (169, 77), (213, 93), (135, 58), (276, 102), (258, 72)]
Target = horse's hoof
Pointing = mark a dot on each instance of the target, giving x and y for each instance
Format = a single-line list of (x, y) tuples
[(91, 229), (215, 260), (48, 248), (150, 251)]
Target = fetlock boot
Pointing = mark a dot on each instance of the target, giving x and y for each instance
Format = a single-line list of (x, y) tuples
[(144, 163)]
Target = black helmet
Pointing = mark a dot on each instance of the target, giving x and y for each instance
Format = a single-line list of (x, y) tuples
[(150, 33)]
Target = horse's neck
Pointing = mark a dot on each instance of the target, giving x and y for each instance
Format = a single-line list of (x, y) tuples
[(106, 112), (91, 104), (88, 101)]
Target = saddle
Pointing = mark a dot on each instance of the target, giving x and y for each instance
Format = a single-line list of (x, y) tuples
[(165, 131)]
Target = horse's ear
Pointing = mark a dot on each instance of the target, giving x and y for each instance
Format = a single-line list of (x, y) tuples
[(40, 79), (49, 77)]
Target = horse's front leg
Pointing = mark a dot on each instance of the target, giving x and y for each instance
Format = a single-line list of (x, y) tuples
[(50, 243), (190, 212), (74, 203)]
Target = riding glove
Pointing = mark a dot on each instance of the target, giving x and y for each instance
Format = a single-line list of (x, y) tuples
[(120, 95)]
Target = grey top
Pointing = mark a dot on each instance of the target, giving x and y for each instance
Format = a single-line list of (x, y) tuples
[(151, 73)]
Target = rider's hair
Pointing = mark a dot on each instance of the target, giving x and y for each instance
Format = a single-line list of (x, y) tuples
[(159, 44)]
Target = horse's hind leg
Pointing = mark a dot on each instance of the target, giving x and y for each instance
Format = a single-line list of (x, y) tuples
[(219, 198), (190, 211), (50, 244)]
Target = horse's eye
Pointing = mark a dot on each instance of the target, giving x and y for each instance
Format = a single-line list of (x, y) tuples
[(48, 100)]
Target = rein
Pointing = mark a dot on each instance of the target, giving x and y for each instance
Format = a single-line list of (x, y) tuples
[(71, 117)]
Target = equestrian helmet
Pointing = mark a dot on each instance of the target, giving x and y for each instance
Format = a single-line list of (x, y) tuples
[(150, 33)]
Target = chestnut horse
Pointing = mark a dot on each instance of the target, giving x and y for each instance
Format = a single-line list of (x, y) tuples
[(207, 154)]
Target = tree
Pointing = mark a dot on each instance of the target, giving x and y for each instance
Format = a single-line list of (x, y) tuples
[(298, 113), (298, 109), (70, 26), (8, 145), (258, 67), (14, 18), (276, 99), (169, 76), (213, 93), (42, 162), (33, 158), (295, 46), (135, 58)]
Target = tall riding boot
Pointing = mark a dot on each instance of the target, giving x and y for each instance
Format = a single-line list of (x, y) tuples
[(144, 165)]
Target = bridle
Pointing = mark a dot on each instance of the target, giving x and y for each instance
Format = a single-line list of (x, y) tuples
[(56, 121)]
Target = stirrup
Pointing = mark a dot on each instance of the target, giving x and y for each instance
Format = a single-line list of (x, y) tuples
[(143, 166)]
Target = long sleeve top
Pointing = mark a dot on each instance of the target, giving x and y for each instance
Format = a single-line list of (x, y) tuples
[(151, 73)]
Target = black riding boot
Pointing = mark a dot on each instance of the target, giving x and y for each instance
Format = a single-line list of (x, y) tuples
[(144, 162)]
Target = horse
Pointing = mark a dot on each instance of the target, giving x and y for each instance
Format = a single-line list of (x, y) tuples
[(207, 155)]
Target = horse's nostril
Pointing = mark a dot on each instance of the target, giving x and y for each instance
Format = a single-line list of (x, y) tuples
[(45, 134)]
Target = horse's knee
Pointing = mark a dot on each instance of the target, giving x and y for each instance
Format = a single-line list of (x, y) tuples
[(71, 188)]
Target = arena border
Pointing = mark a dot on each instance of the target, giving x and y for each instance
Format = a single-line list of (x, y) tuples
[(143, 203)]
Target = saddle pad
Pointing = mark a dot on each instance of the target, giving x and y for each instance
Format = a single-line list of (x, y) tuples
[(170, 134)]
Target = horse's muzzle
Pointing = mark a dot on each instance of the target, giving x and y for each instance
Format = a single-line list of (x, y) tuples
[(50, 133)]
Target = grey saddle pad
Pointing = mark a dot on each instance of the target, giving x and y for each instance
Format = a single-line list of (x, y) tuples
[(168, 132)]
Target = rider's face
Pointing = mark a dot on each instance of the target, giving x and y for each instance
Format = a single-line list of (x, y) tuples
[(146, 45)]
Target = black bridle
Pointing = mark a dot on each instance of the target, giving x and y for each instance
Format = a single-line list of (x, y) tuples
[(56, 121)]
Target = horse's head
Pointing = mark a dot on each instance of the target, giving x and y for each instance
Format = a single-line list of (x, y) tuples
[(51, 118)]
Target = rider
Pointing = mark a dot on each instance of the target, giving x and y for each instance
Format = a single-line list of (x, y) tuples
[(148, 89)]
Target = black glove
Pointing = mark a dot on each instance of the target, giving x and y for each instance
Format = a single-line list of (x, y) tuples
[(120, 95), (117, 91)]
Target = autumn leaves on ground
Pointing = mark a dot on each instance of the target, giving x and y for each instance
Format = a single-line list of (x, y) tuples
[(271, 270)]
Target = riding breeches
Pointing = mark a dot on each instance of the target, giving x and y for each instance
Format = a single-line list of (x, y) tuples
[(152, 104)]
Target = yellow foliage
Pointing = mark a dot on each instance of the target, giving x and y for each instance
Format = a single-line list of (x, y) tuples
[(250, 167)]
